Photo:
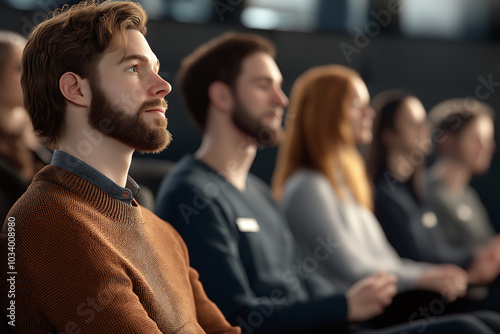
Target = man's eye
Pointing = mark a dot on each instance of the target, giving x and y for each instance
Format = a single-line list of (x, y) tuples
[(132, 69)]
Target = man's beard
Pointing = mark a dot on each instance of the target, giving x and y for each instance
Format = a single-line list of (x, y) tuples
[(129, 129), (256, 128)]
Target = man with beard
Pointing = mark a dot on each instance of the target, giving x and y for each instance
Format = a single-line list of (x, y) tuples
[(79, 254), (237, 238)]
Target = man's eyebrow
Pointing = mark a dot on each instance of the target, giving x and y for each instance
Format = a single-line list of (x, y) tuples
[(139, 58)]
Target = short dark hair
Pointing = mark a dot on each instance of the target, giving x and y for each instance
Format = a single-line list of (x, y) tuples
[(454, 115), (71, 40), (219, 59)]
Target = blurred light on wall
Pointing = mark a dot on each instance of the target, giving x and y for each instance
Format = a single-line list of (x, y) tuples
[(156, 9), (261, 18), (357, 13), (295, 15), (192, 11), (22, 4), (444, 18)]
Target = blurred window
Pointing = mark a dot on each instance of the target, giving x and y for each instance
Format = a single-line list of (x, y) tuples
[(448, 19)]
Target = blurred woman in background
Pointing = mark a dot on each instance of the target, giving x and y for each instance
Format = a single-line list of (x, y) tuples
[(21, 154), (465, 149), (397, 165), (325, 191)]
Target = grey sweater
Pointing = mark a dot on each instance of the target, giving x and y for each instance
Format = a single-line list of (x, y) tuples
[(463, 216), (342, 238)]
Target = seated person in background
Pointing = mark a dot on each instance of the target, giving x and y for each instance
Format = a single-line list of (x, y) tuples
[(88, 258), (237, 238), (325, 191), (464, 147), (21, 154), (397, 164)]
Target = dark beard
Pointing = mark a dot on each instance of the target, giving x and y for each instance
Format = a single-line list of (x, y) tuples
[(264, 135), (131, 130)]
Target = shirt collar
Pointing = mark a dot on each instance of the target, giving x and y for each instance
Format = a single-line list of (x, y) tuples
[(76, 166)]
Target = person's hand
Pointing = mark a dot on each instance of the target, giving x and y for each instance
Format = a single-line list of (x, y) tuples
[(447, 279), (485, 266), (494, 247), (369, 296)]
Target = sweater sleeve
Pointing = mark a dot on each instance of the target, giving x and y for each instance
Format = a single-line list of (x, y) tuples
[(209, 315), (74, 285), (213, 250), (317, 218)]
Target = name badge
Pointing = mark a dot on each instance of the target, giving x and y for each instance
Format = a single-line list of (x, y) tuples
[(247, 225), (464, 212), (429, 219)]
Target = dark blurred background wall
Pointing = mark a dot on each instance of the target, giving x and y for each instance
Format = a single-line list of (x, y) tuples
[(414, 47)]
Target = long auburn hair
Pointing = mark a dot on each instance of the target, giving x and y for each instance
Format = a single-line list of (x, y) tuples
[(319, 135)]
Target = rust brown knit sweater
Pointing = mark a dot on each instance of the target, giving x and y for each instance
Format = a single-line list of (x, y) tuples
[(87, 263)]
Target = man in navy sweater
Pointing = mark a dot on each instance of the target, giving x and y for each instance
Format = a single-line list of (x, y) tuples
[(238, 240)]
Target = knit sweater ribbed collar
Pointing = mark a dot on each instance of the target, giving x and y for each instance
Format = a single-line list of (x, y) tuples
[(91, 195), (76, 166)]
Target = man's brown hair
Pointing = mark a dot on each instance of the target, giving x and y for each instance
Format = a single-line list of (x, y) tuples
[(72, 39), (219, 59)]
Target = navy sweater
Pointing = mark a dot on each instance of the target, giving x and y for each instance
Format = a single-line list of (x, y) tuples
[(245, 254), (411, 226)]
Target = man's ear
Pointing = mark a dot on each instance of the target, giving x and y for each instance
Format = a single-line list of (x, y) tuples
[(75, 89), (220, 96)]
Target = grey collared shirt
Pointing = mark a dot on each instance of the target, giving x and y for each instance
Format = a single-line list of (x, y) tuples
[(76, 166)]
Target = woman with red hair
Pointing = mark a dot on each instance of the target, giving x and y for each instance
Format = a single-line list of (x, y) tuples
[(324, 188)]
